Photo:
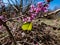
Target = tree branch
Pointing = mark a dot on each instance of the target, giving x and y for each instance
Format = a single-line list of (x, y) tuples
[(8, 30), (56, 11)]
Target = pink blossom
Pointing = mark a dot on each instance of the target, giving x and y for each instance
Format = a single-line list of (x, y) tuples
[(29, 19), (35, 10), (45, 11), (39, 4), (33, 16), (38, 10), (24, 19), (32, 10), (1, 17), (32, 6)]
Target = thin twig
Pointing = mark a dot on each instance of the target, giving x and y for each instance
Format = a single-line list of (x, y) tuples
[(45, 14), (8, 30)]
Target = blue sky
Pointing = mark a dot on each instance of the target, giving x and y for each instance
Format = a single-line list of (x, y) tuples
[(53, 4)]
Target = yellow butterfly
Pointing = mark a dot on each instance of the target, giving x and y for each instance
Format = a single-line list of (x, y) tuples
[(27, 26)]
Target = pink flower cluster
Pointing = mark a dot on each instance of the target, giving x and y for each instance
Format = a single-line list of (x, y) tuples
[(34, 10)]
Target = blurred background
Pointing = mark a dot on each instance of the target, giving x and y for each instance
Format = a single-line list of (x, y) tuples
[(53, 5)]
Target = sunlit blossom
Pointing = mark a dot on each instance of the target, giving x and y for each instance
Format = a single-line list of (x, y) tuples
[(34, 10), (39, 4)]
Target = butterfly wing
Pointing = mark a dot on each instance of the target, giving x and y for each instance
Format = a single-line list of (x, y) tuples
[(27, 26), (30, 27)]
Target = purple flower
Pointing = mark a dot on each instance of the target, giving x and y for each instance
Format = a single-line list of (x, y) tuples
[(45, 11), (39, 4), (32, 6), (31, 10), (33, 16), (1, 17), (29, 19), (25, 19), (38, 10), (35, 10)]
